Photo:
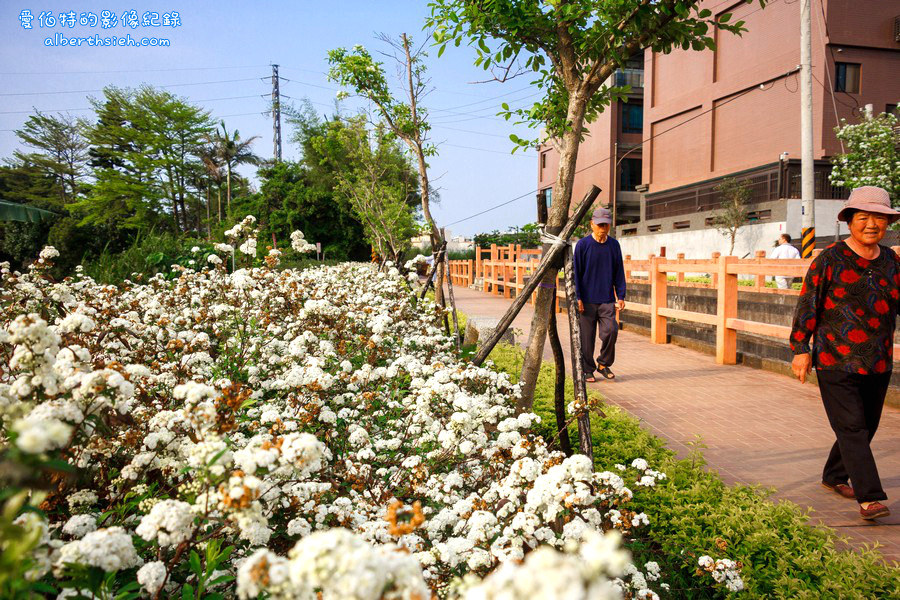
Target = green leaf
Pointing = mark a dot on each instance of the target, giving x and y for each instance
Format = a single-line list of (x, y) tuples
[(725, 17), (441, 50), (187, 592), (195, 563)]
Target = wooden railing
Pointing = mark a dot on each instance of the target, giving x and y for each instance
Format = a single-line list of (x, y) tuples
[(507, 269)]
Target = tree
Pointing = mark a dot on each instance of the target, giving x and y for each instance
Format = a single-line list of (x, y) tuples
[(407, 119), (60, 150), (232, 151), (872, 157), (378, 200), (571, 47), (145, 146), (735, 196)]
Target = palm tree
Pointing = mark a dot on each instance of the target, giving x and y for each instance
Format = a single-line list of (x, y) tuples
[(232, 151), (209, 156)]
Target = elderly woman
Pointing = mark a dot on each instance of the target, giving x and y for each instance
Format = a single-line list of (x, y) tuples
[(848, 308)]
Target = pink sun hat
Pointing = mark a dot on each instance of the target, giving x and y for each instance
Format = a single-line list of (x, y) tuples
[(871, 199)]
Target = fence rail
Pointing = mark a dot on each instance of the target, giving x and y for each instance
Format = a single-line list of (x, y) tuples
[(505, 270)]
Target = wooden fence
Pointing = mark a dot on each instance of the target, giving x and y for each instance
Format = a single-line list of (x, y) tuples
[(505, 270)]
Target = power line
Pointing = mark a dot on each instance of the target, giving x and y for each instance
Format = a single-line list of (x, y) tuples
[(58, 110), (652, 137), (487, 150), (133, 70), (102, 89)]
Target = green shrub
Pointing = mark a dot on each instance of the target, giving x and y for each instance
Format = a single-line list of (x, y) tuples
[(693, 513)]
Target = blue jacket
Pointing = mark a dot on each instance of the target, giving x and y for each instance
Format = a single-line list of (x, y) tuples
[(599, 271)]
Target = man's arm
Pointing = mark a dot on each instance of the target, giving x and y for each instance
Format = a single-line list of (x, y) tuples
[(619, 275), (578, 259)]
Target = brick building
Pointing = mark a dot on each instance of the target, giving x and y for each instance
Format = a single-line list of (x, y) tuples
[(735, 112)]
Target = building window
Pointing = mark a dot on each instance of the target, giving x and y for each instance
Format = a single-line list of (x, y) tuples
[(544, 199), (632, 118), (846, 78), (631, 174), (630, 231), (890, 108), (654, 228), (710, 222), (682, 224), (543, 159), (759, 215)]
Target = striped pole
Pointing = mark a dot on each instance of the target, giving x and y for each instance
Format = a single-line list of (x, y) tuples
[(808, 243)]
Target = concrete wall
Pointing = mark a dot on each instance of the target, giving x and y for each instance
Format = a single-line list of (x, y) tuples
[(700, 241)]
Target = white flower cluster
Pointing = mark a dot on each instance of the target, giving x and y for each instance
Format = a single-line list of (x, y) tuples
[(108, 549), (318, 409), (582, 572), (723, 570), (299, 243), (337, 563)]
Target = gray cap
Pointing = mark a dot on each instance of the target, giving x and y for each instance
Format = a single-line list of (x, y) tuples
[(601, 216)]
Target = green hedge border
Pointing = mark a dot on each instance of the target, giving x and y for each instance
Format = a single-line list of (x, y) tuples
[(784, 555)]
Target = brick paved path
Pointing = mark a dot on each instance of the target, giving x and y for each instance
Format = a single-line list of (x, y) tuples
[(759, 427)]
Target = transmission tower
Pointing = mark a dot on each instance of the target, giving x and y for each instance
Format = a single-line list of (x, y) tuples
[(276, 114)]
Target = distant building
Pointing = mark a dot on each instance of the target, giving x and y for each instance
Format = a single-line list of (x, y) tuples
[(617, 132), (735, 112), (457, 243)]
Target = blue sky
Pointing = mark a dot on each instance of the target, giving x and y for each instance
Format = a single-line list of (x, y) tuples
[(224, 49)]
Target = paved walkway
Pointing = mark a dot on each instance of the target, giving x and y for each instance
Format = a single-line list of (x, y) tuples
[(759, 427)]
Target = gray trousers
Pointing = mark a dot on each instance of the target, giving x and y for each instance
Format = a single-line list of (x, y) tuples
[(594, 317)]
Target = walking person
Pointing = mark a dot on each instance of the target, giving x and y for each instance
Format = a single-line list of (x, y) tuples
[(600, 290), (784, 249), (848, 307)]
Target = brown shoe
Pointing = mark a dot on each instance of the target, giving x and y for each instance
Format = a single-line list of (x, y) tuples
[(840, 488), (875, 511)]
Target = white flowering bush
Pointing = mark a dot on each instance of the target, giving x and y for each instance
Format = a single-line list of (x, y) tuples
[(871, 156), (281, 434), (214, 430)]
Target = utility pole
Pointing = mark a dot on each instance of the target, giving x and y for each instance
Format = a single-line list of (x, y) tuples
[(276, 114), (807, 171)]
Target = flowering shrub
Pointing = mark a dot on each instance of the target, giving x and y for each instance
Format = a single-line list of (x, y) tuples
[(283, 433), (872, 157)]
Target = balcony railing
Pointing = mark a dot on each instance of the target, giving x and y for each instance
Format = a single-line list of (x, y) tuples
[(632, 77)]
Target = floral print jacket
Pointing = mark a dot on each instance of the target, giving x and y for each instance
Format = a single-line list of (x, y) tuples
[(848, 309)]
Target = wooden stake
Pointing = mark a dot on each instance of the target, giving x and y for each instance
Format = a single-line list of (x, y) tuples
[(559, 395), (547, 260), (584, 419)]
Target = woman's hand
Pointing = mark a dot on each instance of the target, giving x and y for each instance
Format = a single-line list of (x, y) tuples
[(801, 366)]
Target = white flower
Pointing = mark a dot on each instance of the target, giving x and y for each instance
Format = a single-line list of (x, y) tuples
[(151, 576), (80, 525), (108, 549), (169, 522)]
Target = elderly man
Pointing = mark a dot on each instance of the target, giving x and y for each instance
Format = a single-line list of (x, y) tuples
[(848, 307), (600, 289)]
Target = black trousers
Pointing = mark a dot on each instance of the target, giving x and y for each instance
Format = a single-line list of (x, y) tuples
[(594, 317), (853, 404)]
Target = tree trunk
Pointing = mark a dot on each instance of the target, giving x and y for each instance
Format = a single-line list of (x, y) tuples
[(559, 212), (208, 202), (219, 197), (228, 206)]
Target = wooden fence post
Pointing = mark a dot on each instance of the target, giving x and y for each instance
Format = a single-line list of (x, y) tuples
[(658, 285), (760, 279), (714, 275), (679, 277), (726, 308)]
